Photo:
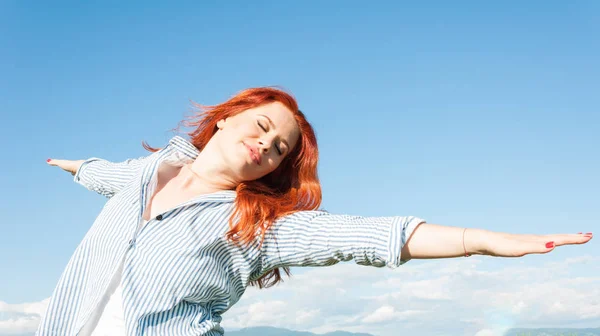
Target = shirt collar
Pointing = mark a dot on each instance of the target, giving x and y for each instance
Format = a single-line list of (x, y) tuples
[(184, 146)]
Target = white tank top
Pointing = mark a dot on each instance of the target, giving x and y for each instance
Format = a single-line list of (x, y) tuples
[(108, 318)]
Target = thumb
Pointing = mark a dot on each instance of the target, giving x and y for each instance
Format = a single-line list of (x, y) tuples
[(545, 247), (533, 247)]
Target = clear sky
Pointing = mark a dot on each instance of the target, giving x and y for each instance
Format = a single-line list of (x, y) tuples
[(469, 113)]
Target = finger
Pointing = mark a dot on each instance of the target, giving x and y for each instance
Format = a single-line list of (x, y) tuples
[(56, 162), (62, 164), (559, 239), (565, 239), (573, 239)]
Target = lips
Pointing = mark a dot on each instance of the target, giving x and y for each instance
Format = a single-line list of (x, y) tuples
[(253, 154)]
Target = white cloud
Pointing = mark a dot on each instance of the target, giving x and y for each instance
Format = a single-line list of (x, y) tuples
[(304, 317), (21, 318), (389, 314), (383, 314), (455, 296), (431, 289), (490, 332)]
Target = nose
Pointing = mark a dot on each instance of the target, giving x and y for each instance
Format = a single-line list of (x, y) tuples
[(264, 145)]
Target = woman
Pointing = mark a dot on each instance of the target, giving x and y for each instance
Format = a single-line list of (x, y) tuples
[(189, 227)]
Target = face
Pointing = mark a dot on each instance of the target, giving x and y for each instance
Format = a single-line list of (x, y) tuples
[(254, 142)]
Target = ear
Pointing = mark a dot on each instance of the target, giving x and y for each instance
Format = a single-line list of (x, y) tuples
[(221, 123)]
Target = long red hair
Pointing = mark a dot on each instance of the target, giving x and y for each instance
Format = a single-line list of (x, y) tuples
[(293, 186)]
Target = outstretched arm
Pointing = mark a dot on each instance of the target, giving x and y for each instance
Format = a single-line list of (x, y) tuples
[(317, 238), (430, 241)]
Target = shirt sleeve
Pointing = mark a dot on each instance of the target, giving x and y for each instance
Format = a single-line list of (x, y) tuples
[(317, 238), (105, 177)]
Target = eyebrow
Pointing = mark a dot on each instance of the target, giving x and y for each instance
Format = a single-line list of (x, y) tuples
[(273, 125)]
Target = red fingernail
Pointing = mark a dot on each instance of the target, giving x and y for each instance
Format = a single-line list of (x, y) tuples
[(579, 232), (550, 244), (48, 160), (589, 233)]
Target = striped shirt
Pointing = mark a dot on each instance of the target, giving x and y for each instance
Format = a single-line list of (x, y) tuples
[(180, 273)]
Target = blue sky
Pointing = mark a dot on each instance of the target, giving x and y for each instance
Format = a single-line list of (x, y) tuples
[(466, 113)]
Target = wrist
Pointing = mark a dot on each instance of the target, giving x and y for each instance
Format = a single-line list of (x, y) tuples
[(475, 241)]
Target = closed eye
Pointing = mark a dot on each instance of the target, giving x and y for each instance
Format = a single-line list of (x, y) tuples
[(265, 129)]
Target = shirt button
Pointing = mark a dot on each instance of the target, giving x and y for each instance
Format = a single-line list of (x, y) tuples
[(159, 217)]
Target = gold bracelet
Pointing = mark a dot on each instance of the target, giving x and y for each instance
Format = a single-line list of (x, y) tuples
[(466, 254)]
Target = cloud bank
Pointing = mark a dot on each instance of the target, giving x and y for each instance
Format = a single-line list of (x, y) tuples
[(455, 296)]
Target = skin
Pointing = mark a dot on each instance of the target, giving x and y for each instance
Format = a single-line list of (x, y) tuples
[(270, 131), (230, 158)]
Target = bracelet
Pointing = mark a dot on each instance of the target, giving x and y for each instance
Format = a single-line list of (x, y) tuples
[(466, 254)]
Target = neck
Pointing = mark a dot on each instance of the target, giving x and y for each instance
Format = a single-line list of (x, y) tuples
[(207, 174), (193, 178)]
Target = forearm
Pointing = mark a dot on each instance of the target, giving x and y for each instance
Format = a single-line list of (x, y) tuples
[(430, 241)]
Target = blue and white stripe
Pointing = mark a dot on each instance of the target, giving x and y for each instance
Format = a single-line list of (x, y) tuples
[(180, 273)]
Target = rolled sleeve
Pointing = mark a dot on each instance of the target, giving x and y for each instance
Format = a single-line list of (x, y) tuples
[(401, 230), (105, 177), (317, 238)]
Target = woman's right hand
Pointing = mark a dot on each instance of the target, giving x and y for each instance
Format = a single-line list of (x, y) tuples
[(70, 166)]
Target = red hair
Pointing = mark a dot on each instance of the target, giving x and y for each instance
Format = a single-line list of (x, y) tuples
[(293, 186)]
